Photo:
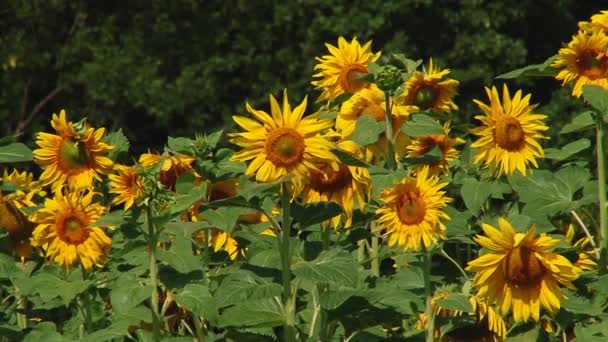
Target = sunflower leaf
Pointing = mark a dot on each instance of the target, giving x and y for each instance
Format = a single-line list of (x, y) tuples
[(312, 213), (541, 69), (580, 122), (597, 97), (180, 255), (475, 193), (347, 158), (197, 299), (120, 143), (421, 125), (265, 312), (367, 130), (15, 152), (455, 301), (567, 150), (334, 266)]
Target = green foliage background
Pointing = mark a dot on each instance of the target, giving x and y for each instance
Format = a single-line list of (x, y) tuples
[(159, 68)]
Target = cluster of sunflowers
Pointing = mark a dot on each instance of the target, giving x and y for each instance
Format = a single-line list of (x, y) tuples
[(367, 124)]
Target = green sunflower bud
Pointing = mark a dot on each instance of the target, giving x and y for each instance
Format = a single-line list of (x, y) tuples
[(389, 78)]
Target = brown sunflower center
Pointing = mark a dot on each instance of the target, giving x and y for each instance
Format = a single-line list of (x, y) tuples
[(522, 268), (74, 154), (73, 231), (591, 66), (12, 219), (425, 97), (285, 147), (410, 207), (349, 78), (509, 134), (330, 180)]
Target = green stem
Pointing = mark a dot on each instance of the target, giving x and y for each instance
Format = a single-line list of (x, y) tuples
[(326, 236), (86, 304), (390, 154), (601, 191), (373, 253), (361, 254), (21, 307), (288, 304), (447, 256), (152, 240), (430, 326), (198, 328)]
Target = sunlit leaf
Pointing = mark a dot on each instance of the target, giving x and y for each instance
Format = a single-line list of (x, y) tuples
[(15, 152), (421, 125), (333, 266), (542, 69), (367, 130), (197, 299)]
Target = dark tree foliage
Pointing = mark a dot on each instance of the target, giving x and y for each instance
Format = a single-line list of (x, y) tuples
[(158, 68)]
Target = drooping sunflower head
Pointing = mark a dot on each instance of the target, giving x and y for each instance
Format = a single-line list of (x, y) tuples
[(127, 184), (412, 215), (584, 61), (66, 230), (430, 89), (173, 166), (339, 71), (27, 188), (75, 156), (520, 272), (283, 142), (586, 253), (18, 227), (346, 186), (508, 138), (422, 145)]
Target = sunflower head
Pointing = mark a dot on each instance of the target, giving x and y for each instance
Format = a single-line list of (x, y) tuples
[(422, 145), (127, 184), (584, 61), (75, 155), (27, 189), (339, 71), (66, 230), (507, 139), (412, 215), (599, 21), (173, 166), (520, 272), (283, 142), (430, 89)]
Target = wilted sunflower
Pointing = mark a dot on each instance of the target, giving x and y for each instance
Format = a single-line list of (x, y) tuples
[(508, 138), (282, 143), (74, 156), (371, 102), (345, 186), (412, 213), (339, 71), (127, 184), (519, 272), (490, 326), (66, 230), (584, 61), (174, 165), (422, 145), (585, 255), (430, 89)]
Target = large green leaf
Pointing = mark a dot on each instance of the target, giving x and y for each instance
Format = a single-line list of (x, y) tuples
[(242, 285), (580, 122), (265, 312), (367, 130), (475, 193), (567, 150), (44, 331), (120, 143), (15, 152), (421, 125), (180, 255), (597, 96), (51, 288), (333, 266), (313, 213), (542, 69), (127, 293), (455, 301), (197, 299)]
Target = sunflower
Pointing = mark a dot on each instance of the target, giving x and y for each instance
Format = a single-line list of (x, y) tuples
[(18, 227), (412, 212), (598, 22), (508, 138), (27, 189), (127, 184), (282, 143), (422, 145), (490, 325), (173, 166), (584, 61), (66, 230), (585, 255), (339, 71), (519, 272), (371, 102), (431, 90), (75, 155), (343, 186)]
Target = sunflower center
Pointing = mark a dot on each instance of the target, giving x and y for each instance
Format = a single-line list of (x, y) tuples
[(522, 268), (509, 134), (285, 147), (73, 231), (425, 97), (349, 78), (330, 180), (74, 154), (411, 208), (592, 67)]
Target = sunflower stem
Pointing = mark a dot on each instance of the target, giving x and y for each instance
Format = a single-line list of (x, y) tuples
[(288, 304), (601, 191), (21, 307), (430, 326), (86, 304), (455, 263), (152, 240), (361, 254), (373, 253), (390, 154), (198, 328), (587, 233), (326, 236)]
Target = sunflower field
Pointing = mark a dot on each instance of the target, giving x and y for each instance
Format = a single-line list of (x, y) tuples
[(376, 212)]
